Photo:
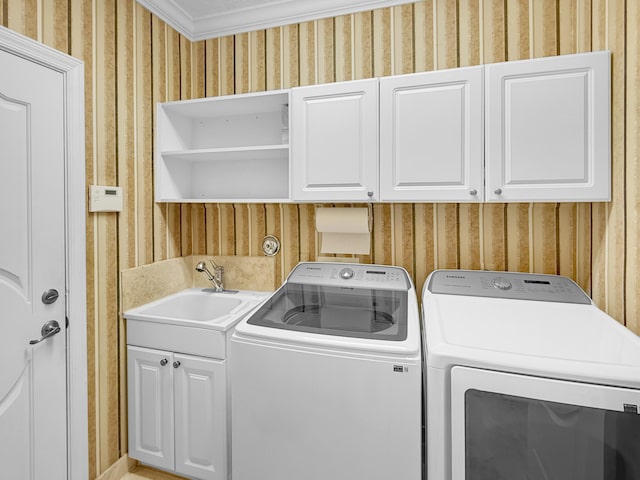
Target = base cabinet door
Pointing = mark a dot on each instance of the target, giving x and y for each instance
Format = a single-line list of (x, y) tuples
[(334, 141), (150, 401), (200, 417), (178, 412)]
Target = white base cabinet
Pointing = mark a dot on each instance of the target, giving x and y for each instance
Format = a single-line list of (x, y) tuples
[(177, 412)]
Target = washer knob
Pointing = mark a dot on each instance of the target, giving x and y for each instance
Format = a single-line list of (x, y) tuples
[(501, 283), (346, 273)]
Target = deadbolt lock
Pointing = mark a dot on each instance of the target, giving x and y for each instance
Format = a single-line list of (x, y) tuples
[(50, 296)]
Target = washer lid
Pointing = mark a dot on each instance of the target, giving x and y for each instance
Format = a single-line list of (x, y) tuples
[(336, 310)]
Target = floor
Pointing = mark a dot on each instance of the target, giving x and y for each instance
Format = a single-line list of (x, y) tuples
[(144, 473)]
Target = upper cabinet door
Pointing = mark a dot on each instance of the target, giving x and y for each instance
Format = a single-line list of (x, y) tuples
[(431, 136), (548, 129), (334, 141)]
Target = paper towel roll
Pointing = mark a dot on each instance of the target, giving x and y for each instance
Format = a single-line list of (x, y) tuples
[(344, 230)]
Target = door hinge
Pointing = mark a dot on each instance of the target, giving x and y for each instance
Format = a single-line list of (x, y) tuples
[(66, 319)]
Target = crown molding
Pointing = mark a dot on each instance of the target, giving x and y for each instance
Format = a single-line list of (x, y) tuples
[(262, 15)]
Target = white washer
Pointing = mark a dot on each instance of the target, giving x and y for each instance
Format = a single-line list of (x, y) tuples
[(527, 379), (326, 378)]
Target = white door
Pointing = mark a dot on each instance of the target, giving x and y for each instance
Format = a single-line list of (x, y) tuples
[(334, 141), (547, 129), (431, 136), (150, 392), (200, 417), (33, 383)]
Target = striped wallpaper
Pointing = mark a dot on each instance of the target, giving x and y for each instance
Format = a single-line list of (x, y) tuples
[(133, 60)]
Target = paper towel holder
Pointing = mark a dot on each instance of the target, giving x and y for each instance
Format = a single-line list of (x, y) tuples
[(270, 245), (368, 205)]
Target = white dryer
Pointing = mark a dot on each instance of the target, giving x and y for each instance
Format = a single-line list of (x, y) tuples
[(526, 379), (326, 378)]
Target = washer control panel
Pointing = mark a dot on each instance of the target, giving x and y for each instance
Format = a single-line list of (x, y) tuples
[(518, 286), (351, 275)]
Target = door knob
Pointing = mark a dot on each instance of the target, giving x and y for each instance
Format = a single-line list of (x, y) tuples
[(164, 361), (49, 329), (473, 192), (176, 364), (498, 191)]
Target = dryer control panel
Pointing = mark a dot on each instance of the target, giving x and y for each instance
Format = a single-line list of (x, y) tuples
[(381, 277), (517, 286)]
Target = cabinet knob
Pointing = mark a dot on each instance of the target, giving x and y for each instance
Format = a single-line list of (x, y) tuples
[(370, 194), (498, 191), (473, 192), (176, 364), (164, 361)]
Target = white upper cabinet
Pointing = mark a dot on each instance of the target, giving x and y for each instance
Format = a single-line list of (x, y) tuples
[(548, 129), (524, 131), (224, 149), (334, 141), (431, 136)]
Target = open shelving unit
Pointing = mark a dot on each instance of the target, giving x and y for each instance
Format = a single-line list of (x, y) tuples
[(223, 149)]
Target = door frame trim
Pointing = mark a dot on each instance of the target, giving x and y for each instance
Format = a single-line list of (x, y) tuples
[(72, 71)]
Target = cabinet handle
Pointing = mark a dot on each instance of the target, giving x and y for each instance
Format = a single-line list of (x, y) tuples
[(164, 361), (176, 364), (473, 192), (498, 191), (370, 194)]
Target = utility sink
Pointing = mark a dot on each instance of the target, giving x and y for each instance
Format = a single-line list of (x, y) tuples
[(198, 308), (192, 321), (205, 307), (193, 305)]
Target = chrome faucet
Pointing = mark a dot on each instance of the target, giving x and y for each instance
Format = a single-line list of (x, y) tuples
[(216, 280)]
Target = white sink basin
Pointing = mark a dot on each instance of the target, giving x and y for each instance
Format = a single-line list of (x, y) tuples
[(194, 321), (202, 307), (194, 306)]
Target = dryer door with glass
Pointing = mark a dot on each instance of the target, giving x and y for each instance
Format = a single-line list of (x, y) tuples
[(510, 427)]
